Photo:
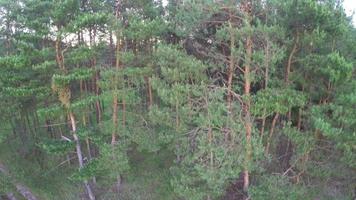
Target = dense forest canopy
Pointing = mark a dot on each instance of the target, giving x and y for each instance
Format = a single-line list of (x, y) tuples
[(181, 100)]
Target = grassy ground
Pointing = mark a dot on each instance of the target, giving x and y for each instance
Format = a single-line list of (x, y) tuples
[(46, 182), (148, 178)]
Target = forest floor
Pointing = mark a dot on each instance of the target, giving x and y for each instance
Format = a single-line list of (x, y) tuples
[(20, 188), (147, 179)]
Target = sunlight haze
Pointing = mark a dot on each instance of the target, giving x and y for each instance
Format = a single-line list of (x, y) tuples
[(350, 8)]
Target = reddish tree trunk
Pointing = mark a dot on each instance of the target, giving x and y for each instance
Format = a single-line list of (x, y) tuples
[(247, 104)]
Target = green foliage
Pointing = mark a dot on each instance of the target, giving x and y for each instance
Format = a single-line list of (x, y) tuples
[(113, 161), (54, 111), (331, 67), (47, 65), (14, 62), (333, 129), (57, 146), (76, 74), (88, 20), (81, 54), (5, 184), (269, 101), (277, 187), (304, 141), (141, 29), (178, 100), (88, 171)]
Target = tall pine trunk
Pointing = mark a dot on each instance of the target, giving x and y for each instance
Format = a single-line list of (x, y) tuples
[(230, 69), (247, 117), (247, 101), (115, 95)]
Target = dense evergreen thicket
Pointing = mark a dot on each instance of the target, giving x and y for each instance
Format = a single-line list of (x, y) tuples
[(195, 100)]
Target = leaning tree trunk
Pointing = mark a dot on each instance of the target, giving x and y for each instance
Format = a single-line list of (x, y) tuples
[(64, 96), (79, 154)]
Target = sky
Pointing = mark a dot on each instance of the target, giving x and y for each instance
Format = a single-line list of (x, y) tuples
[(350, 7)]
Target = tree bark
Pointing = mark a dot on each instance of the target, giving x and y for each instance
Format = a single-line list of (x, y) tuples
[(265, 86), (79, 153), (10, 196), (231, 69), (149, 91), (115, 95), (275, 118), (247, 117), (290, 58)]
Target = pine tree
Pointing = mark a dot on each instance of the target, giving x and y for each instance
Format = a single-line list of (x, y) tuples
[(221, 99)]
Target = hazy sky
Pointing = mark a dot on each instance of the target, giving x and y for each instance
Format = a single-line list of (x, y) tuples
[(350, 7)]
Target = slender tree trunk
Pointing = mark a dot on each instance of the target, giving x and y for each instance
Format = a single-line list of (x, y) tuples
[(82, 90), (114, 119), (299, 122), (13, 127), (67, 155), (149, 91), (96, 78), (247, 118), (267, 58), (210, 133), (97, 92), (59, 55), (275, 118), (115, 97), (290, 59), (177, 114), (286, 80), (29, 126), (87, 142), (262, 131), (247, 101), (117, 67), (231, 69), (289, 66), (7, 42), (148, 49), (79, 153), (23, 131), (115, 107)]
